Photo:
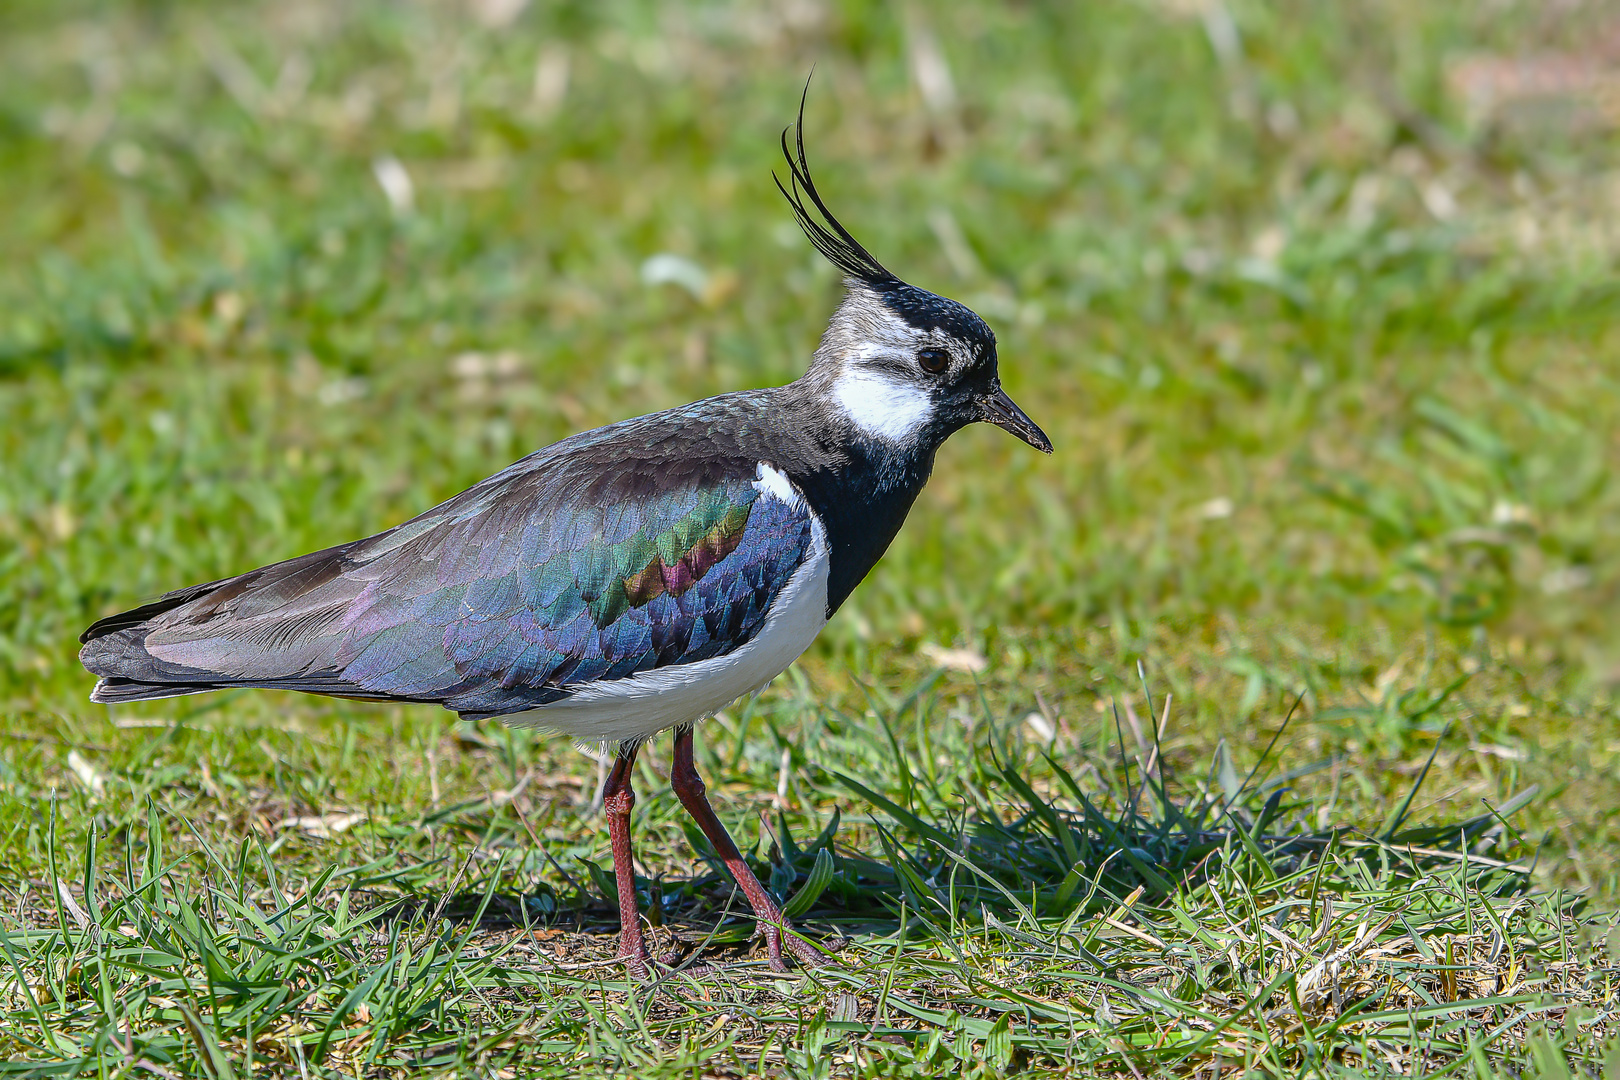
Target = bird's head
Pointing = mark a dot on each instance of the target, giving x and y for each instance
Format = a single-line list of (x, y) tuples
[(904, 366)]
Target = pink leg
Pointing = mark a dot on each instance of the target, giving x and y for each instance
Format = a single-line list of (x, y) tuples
[(689, 788), (618, 800)]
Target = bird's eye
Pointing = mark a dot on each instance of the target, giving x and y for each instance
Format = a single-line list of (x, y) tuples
[(933, 361)]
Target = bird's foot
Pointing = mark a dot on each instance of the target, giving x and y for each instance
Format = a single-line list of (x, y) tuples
[(805, 953), (640, 963), (643, 964)]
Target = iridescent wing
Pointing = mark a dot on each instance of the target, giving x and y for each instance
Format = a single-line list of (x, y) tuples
[(544, 578)]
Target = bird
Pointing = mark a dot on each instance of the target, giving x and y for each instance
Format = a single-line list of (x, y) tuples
[(624, 581)]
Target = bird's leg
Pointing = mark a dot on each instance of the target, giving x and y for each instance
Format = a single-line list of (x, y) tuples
[(689, 788), (618, 800)]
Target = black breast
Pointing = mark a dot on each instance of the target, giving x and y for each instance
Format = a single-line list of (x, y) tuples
[(862, 494)]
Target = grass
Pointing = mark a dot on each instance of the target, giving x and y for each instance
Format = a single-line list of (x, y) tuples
[(1138, 932), (1321, 331)]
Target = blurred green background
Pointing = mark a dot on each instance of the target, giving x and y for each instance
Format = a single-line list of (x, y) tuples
[(1315, 301)]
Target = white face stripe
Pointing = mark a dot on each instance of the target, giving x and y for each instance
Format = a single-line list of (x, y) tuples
[(882, 407)]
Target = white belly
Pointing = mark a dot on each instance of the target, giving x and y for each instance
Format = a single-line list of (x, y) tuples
[(643, 704)]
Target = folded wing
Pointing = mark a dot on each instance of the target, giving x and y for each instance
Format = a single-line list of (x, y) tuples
[(511, 595)]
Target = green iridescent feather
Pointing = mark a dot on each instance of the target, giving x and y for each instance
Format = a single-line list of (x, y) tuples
[(645, 565)]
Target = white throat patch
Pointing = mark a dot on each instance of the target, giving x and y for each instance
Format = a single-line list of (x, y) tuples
[(881, 407)]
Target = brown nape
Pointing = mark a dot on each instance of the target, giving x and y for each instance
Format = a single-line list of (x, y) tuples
[(772, 923)]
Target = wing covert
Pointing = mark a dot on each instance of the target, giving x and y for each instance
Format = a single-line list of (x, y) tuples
[(492, 617)]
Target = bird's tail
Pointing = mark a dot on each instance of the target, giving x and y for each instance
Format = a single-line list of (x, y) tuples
[(115, 649), (244, 631)]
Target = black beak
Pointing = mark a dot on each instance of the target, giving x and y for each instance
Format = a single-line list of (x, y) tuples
[(999, 409)]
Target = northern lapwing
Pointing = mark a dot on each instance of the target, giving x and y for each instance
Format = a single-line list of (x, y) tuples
[(626, 580)]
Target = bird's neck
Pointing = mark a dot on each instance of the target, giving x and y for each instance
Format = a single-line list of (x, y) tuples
[(862, 491)]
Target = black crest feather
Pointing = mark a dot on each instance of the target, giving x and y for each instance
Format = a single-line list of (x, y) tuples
[(823, 229)]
